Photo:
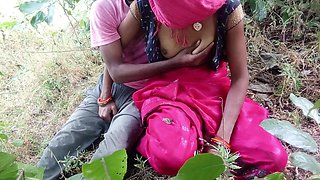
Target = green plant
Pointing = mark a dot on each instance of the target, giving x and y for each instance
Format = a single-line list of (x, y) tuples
[(10, 169), (292, 78), (205, 166), (229, 159), (73, 164), (285, 131), (308, 108), (112, 167)]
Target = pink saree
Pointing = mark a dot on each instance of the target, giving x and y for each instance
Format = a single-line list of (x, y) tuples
[(180, 106)]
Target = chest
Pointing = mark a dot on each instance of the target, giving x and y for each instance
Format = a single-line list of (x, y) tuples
[(173, 41)]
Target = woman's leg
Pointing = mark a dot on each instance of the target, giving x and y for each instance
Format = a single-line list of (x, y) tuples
[(260, 151)]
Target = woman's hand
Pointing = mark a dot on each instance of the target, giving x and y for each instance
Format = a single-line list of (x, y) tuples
[(108, 111)]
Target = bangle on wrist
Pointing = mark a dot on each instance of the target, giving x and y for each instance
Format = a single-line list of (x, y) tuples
[(103, 102), (218, 140)]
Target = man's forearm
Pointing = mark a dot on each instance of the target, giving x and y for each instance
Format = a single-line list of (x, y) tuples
[(123, 73), (107, 84)]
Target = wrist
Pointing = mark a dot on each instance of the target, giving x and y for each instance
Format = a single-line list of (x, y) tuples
[(102, 102), (175, 63)]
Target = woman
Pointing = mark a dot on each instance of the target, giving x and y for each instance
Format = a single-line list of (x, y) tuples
[(185, 106)]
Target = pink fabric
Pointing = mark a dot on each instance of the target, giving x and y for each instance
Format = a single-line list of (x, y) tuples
[(180, 106), (178, 14), (106, 16)]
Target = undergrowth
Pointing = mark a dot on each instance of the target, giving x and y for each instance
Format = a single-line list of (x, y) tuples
[(44, 73)]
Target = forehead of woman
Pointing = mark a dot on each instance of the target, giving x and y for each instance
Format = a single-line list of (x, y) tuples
[(178, 14)]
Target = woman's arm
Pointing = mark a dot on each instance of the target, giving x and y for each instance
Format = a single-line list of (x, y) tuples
[(237, 57)]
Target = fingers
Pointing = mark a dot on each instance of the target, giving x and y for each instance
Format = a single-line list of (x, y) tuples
[(114, 110), (202, 55), (206, 50), (104, 113), (107, 112), (194, 46)]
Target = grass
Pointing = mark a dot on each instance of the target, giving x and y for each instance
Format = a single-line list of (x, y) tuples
[(44, 76), (41, 86)]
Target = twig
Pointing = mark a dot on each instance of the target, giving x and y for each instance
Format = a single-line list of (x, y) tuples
[(58, 51), (74, 29)]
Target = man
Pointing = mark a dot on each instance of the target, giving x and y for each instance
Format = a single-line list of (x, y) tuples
[(108, 109)]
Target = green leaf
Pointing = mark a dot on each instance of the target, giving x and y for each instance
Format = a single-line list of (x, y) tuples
[(316, 106), (111, 167), (6, 159), (305, 161), (31, 171), (50, 14), (8, 169), (285, 131), (31, 6), (315, 177), (3, 136), (203, 166), (275, 176), (305, 105), (38, 18), (261, 10), (10, 172), (7, 25), (18, 142)]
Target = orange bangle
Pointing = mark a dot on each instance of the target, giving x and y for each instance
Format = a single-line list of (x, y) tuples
[(103, 102), (220, 141)]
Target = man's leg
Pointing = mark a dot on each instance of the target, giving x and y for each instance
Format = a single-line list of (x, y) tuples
[(125, 127), (79, 132)]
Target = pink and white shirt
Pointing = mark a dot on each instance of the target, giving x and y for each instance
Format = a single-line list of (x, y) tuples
[(105, 18)]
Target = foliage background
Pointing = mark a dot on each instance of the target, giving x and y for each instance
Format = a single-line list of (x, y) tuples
[(45, 72)]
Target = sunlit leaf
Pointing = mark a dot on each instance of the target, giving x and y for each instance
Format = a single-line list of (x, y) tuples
[(50, 14), (315, 106), (305, 161), (18, 142), (315, 177), (7, 25), (31, 171), (286, 131), (111, 167), (3, 136), (31, 6), (203, 166), (38, 18), (6, 160), (305, 105), (10, 172), (275, 176), (8, 169)]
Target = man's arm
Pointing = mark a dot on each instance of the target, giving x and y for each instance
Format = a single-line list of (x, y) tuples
[(121, 72), (109, 109), (237, 57)]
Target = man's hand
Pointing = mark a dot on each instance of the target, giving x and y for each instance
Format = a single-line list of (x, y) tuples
[(108, 111), (186, 57)]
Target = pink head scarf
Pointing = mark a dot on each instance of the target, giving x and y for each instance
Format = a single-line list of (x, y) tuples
[(178, 14)]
